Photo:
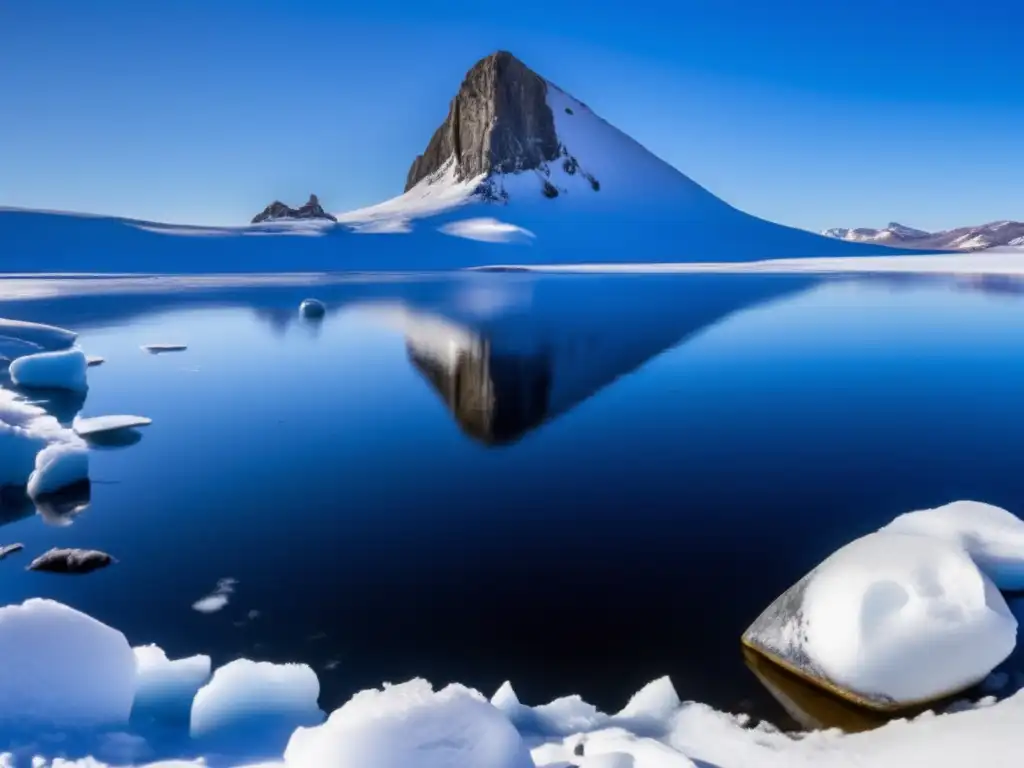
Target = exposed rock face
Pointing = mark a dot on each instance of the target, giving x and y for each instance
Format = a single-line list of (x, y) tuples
[(976, 238), (499, 122), (278, 210)]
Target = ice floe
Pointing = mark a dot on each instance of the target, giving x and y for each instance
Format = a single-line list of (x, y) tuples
[(97, 425), (165, 688), (891, 620), (63, 369), (62, 668), (253, 707), (217, 599), (58, 466), (992, 536)]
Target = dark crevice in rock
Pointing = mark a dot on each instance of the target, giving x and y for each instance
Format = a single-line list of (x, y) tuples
[(499, 122)]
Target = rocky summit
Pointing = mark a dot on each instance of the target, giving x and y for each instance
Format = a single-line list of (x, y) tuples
[(278, 210), (499, 122)]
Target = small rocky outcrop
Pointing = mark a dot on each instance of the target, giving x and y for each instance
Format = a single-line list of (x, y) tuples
[(73, 561), (278, 210), (499, 122)]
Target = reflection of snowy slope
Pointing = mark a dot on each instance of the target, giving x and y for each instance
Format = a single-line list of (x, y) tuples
[(506, 375)]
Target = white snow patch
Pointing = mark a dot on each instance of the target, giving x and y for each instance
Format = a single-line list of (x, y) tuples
[(58, 466), (907, 617), (85, 426), (411, 726), (62, 667), (255, 701), (488, 230), (63, 369), (992, 536)]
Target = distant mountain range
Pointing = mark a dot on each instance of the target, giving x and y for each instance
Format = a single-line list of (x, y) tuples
[(991, 235)]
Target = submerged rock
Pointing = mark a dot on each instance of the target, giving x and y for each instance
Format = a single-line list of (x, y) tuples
[(278, 210), (10, 549), (72, 561)]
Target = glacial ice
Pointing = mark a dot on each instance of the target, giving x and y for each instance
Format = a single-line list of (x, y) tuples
[(97, 425), (992, 536), (62, 667), (256, 705), (411, 726), (63, 369), (892, 618), (165, 688), (57, 466)]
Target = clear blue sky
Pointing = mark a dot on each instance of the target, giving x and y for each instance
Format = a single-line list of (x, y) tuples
[(810, 113)]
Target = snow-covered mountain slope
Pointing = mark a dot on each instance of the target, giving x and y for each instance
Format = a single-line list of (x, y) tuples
[(520, 172), (991, 235)]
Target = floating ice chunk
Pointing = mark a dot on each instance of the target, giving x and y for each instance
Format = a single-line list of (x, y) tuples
[(217, 599), (96, 425), (156, 349), (312, 308), (411, 726), (75, 561), (64, 369), (253, 707), (993, 537), (890, 620), (165, 689), (58, 466), (44, 337), (63, 667)]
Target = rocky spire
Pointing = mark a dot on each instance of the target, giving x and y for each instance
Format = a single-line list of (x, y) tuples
[(498, 122), (278, 210)]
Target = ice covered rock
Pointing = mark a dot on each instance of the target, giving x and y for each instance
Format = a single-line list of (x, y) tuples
[(73, 561), (42, 337), (63, 369), (254, 706), (63, 667), (58, 466), (312, 308), (165, 689), (992, 536), (97, 425), (411, 726), (890, 620)]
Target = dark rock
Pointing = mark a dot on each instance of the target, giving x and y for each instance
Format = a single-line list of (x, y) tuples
[(278, 210), (568, 111), (550, 190), (499, 122), (10, 549), (578, 749), (71, 561)]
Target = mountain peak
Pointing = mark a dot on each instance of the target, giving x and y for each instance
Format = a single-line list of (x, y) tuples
[(498, 122)]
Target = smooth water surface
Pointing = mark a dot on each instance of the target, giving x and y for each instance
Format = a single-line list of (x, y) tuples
[(575, 483)]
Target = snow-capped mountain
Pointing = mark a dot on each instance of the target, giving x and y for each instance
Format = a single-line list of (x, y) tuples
[(991, 235), (517, 159)]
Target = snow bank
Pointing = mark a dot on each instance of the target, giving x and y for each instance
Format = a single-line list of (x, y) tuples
[(992, 536), (891, 619), (58, 466), (164, 689), (255, 705), (62, 667), (64, 369), (411, 726)]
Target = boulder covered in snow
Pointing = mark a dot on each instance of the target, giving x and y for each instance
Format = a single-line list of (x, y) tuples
[(72, 561), (64, 369), (411, 726), (992, 536), (253, 707), (891, 620), (62, 667)]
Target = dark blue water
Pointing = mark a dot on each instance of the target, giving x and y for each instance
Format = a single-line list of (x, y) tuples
[(575, 483)]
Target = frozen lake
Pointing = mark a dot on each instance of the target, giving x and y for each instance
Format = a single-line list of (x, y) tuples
[(577, 483)]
